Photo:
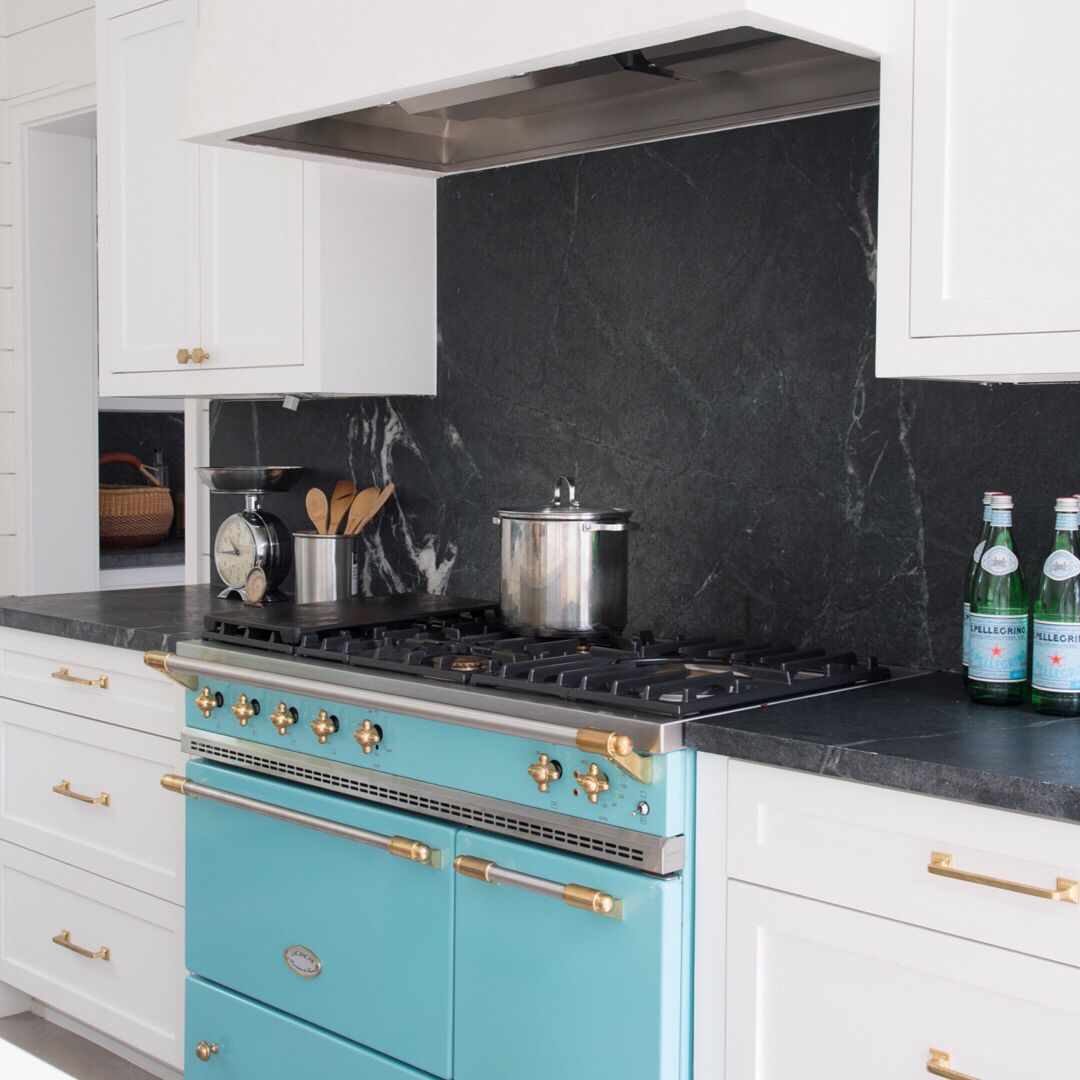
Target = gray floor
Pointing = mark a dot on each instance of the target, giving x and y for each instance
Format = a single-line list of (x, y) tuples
[(67, 1051)]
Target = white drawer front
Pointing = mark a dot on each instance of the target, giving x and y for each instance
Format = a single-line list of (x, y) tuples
[(136, 995), (44, 670), (134, 830), (816, 991), (869, 848)]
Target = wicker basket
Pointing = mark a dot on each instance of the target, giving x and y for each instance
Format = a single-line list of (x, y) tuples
[(133, 515)]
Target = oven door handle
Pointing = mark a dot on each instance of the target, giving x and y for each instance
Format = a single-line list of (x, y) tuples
[(401, 846), (579, 896)]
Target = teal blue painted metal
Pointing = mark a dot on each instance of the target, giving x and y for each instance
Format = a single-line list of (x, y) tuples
[(259, 1043), (467, 759), (543, 989), (382, 926)]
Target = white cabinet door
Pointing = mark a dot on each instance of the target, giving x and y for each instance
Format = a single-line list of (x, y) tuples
[(150, 191), (978, 219), (252, 259), (816, 991)]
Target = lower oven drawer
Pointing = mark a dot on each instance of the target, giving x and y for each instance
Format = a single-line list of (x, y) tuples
[(547, 989), (233, 1038), (324, 927)]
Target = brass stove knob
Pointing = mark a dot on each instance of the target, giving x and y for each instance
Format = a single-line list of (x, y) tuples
[(282, 718), (204, 1050), (244, 710), (594, 783), (367, 736), (324, 725), (206, 702), (544, 771)]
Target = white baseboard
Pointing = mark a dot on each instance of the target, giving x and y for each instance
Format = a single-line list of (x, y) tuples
[(12, 1001), (107, 1042)]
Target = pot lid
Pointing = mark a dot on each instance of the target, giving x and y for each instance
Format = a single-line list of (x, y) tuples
[(565, 507)]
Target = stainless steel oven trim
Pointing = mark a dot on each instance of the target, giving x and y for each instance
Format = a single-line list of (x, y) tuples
[(657, 855)]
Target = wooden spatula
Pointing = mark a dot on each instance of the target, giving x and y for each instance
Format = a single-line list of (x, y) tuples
[(340, 501), (360, 509), (378, 505), (317, 509)]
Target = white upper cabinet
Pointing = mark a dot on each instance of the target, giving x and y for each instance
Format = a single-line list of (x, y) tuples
[(232, 273), (980, 165)]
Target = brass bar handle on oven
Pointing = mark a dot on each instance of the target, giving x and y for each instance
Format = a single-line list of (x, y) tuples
[(64, 788), (579, 896), (64, 675), (402, 846), (63, 939), (940, 1064), (1067, 891)]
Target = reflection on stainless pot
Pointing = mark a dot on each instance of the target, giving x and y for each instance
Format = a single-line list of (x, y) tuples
[(564, 566)]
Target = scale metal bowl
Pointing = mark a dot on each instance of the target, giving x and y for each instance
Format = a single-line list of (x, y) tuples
[(249, 479)]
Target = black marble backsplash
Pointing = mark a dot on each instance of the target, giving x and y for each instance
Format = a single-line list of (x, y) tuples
[(688, 328)]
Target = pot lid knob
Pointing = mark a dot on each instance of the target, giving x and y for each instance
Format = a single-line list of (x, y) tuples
[(565, 486)]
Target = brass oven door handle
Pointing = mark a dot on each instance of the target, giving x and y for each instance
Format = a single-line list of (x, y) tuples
[(579, 896), (64, 788), (940, 1064), (1067, 891), (63, 939), (402, 846), (64, 675)]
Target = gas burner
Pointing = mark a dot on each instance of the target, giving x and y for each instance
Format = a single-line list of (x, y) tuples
[(468, 663)]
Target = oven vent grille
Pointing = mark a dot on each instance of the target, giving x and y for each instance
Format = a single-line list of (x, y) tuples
[(419, 802)]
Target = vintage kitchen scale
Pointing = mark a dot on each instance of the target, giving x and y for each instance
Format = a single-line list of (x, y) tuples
[(252, 548)]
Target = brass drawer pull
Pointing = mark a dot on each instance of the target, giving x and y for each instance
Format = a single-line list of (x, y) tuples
[(204, 1050), (940, 1065), (63, 939), (1067, 891), (64, 788), (579, 896), (64, 675)]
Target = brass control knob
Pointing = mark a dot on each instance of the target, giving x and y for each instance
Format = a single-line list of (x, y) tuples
[(594, 783), (206, 702), (367, 736), (204, 1050), (199, 355), (282, 718), (324, 725), (243, 710), (544, 771), (182, 356)]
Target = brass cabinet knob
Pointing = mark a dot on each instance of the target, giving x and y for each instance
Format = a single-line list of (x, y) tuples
[(244, 710), (282, 718), (324, 725), (204, 1050), (182, 356), (206, 702), (544, 771), (594, 783), (368, 736), (199, 355)]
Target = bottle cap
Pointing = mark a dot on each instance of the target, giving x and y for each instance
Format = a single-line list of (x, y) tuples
[(988, 495), (1067, 504), (1000, 502)]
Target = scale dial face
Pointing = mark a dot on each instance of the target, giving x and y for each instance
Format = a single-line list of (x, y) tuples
[(236, 550)]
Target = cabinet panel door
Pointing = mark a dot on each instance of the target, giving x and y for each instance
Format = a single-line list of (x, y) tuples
[(995, 169), (815, 990), (150, 191), (252, 210)]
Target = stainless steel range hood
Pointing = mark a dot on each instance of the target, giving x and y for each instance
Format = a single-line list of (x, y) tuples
[(699, 84)]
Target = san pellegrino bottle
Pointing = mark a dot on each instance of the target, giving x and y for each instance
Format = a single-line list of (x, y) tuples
[(969, 577), (1055, 655), (997, 653)]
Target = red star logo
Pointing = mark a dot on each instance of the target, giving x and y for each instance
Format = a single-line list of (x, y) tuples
[(1055, 659), (996, 650)]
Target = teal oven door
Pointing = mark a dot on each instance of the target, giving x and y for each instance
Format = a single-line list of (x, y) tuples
[(322, 925), (565, 967)]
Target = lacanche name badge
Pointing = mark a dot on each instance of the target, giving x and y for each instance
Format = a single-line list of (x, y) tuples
[(302, 962)]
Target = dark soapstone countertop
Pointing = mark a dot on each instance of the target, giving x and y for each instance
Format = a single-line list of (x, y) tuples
[(918, 734), (167, 553), (130, 618)]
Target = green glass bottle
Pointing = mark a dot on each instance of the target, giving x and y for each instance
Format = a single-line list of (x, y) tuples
[(969, 577), (997, 653), (1055, 654)]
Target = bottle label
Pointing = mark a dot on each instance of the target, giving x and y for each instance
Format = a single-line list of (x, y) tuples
[(998, 647), (966, 649), (1055, 657), (1001, 517), (976, 555), (999, 561), (1061, 565), (1066, 522)]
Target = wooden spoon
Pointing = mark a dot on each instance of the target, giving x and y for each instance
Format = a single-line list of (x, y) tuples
[(317, 509), (379, 503), (340, 501), (360, 509)]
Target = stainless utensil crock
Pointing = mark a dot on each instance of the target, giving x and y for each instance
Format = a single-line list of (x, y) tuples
[(564, 566), (327, 566)]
